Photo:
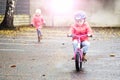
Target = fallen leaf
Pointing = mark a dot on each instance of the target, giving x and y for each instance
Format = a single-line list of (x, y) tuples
[(112, 55), (13, 66)]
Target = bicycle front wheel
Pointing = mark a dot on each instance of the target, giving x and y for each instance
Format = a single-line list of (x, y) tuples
[(78, 62)]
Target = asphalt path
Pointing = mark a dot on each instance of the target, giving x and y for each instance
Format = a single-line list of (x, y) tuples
[(22, 58)]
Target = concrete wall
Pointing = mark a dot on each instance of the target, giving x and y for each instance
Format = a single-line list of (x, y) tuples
[(107, 14), (100, 12)]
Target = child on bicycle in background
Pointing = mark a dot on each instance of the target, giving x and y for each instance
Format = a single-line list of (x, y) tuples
[(38, 22), (81, 27)]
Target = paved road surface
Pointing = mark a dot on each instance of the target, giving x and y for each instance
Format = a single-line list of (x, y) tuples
[(22, 58)]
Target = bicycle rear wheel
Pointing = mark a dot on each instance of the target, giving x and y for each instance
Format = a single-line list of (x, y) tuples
[(78, 62)]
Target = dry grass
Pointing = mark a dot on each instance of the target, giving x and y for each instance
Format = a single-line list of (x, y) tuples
[(103, 31), (108, 31), (8, 32), (14, 32)]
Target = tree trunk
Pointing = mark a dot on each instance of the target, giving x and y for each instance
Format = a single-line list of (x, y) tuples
[(7, 22)]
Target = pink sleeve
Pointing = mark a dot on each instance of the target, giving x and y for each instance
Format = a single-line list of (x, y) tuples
[(42, 20)]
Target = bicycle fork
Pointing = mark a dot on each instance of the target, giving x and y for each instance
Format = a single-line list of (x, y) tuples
[(80, 53)]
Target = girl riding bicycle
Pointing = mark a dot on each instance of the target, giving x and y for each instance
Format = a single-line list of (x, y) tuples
[(81, 27)]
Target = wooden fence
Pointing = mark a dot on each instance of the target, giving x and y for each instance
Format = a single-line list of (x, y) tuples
[(19, 19)]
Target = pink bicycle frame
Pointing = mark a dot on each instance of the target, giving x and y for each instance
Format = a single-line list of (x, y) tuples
[(79, 46)]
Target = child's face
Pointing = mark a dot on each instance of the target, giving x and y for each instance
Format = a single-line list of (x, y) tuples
[(38, 13), (79, 22)]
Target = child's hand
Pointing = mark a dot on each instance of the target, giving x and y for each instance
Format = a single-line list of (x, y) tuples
[(44, 24), (69, 35), (31, 25), (89, 35)]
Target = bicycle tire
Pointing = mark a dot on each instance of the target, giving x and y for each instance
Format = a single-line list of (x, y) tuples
[(78, 63)]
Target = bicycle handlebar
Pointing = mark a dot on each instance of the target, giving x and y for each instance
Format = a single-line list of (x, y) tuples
[(79, 36), (74, 35)]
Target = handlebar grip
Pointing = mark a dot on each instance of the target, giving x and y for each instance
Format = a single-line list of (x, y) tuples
[(69, 35), (90, 35)]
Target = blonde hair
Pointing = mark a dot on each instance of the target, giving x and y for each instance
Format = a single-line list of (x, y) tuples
[(38, 11)]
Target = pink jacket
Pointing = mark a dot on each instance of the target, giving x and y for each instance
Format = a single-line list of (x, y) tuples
[(81, 30), (37, 21)]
